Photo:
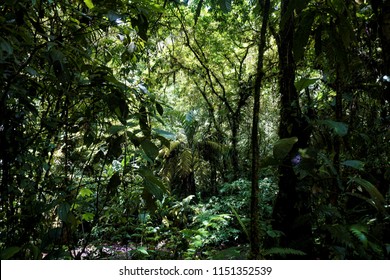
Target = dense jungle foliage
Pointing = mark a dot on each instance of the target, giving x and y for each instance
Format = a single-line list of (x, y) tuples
[(203, 129)]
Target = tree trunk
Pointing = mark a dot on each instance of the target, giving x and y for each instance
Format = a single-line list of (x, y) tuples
[(234, 140), (255, 241), (291, 213)]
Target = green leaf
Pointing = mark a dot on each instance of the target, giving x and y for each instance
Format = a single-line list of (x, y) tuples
[(283, 147), (159, 108), (340, 128), (166, 134), (116, 128), (85, 192), (114, 182), (302, 34), (63, 211), (357, 164), (142, 250), (5, 49), (376, 196), (87, 217), (152, 184), (305, 83), (150, 149), (9, 252), (89, 4), (359, 231), (226, 5), (240, 221)]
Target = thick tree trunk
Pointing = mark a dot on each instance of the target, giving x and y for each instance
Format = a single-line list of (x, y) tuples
[(292, 205)]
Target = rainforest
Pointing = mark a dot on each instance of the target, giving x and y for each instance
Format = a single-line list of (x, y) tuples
[(194, 129)]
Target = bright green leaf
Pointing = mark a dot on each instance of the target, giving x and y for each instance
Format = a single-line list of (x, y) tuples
[(89, 4), (359, 231), (85, 192), (87, 217), (142, 250)]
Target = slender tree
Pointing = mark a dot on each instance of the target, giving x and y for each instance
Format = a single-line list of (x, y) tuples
[(255, 210)]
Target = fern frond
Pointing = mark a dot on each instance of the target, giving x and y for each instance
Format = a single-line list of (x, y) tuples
[(283, 252), (185, 163), (328, 211), (341, 234), (217, 147), (360, 231)]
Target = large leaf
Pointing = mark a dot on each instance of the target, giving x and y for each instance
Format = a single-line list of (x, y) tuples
[(305, 83), (114, 182), (376, 196), (302, 34), (283, 147), (63, 211), (297, 5), (89, 4), (166, 134), (9, 252), (152, 184), (357, 164), (226, 5), (150, 149), (340, 128)]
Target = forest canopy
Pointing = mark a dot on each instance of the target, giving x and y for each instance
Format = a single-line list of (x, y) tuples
[(195, 129)]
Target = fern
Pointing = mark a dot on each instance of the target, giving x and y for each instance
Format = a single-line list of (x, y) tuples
[(341, 234), (360, 231), (283, 252), (217, 147), (185, 164)]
